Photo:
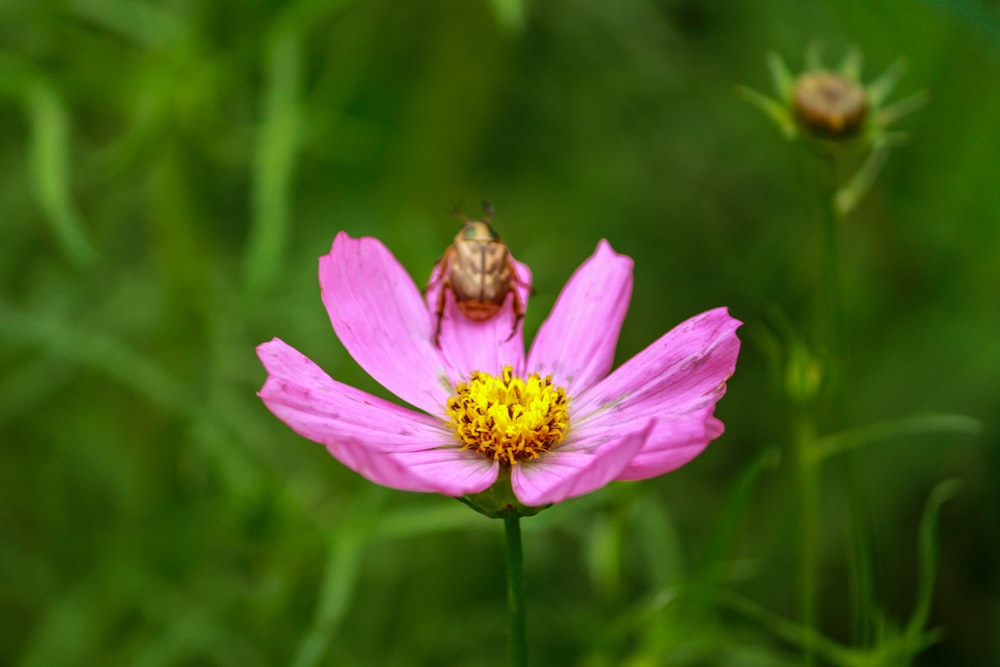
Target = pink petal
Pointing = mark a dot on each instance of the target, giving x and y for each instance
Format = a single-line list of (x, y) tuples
[(673, 443), (379, 467), (583, 466), (684, 371), (576, 344), (317, 407), (482, 346), (380, 317), (385, 443), (450, 471)]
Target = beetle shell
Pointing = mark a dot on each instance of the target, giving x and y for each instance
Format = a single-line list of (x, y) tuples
[(479, 271)]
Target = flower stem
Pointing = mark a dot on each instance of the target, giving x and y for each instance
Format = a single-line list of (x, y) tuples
[(515, 592), (809, 495), (858, 524), (831, 289)]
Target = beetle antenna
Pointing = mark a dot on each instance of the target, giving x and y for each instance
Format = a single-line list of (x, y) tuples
[(487, 211), (456, 210)]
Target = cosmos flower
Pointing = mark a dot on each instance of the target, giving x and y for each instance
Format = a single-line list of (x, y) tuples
[(552, 421)]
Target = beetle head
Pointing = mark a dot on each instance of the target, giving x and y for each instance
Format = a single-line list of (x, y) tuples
[(478, 230)]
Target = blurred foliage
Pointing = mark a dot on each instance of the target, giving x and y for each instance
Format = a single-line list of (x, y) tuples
[(169, 172)]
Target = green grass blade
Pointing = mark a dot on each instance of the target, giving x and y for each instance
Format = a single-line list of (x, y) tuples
[(50, 172), (509, 13), (340, 576), (97, 351), (736, 508), (275, 158)]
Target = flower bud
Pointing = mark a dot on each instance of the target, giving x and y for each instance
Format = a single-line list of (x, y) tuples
[(834, 107), (829, 104), (803, 374)]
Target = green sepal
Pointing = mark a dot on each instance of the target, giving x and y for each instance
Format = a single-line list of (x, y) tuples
[(499, 501)]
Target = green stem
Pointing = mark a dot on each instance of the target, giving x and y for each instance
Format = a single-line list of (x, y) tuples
[(858, 522), (515, 592), (834, 316), (809, 494)]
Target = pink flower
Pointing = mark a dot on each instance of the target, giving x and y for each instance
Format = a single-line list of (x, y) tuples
[(556, 418)]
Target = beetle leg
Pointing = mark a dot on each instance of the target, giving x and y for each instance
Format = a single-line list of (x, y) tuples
[(440, 315), (437, 274), (518, 313)]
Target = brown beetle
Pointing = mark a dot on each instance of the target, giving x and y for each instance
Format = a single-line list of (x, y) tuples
[(479, 271)]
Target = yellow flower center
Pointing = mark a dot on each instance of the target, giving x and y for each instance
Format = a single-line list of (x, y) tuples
[(509, 419)]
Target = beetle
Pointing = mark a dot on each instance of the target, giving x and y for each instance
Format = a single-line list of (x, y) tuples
[(479, 271)]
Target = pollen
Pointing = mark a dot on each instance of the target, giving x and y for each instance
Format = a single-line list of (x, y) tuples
[(507, 418)]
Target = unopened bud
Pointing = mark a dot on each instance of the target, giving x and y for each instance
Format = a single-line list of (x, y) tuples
[(829, 104), (803, 375)]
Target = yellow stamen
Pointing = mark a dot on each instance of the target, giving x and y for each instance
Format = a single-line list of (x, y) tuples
[(509, 419)]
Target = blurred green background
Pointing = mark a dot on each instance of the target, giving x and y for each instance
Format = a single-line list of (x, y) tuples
[(169, 172)]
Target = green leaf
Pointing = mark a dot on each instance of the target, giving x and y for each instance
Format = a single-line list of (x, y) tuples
[(772, 108), (784, 80), (928, 554), (893, 428)]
